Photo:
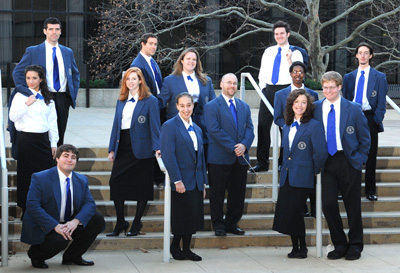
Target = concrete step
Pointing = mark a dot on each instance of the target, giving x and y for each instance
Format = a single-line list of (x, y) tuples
[(206, 239)]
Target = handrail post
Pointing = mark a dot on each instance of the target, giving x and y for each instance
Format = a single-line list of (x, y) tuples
[(318, 236), (4, 187)]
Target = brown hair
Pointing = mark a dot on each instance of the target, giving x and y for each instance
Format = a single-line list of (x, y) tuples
[(143, 92), (332, 76), (289, 114), (281, 24), (43, 85), (146, 36), (67, 148), (178, 67)]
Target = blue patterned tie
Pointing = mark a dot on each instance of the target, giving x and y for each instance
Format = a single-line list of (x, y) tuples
[(233, 110), (331, 132), (190, 128), (67, 214), (132, 100), (39, 97), (157, 73), (277, 64), (189, 78), (295, 124), (56, 76), (360, 88)]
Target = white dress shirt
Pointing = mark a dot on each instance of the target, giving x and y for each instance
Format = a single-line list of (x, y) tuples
[(147, 58), (326, 107), (228, 102), (50, 68), (293, 87), (292, 133), (267, 65), (191, 133), (192, 86), (365, 103), (128, 111), (63, 187), (36, 118)]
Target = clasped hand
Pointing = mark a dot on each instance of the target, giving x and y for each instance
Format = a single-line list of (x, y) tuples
[(66, 230)]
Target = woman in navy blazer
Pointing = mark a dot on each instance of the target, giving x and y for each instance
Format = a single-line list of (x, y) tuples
[(134, 139), (183, 156), (304, 154), (188, 77)]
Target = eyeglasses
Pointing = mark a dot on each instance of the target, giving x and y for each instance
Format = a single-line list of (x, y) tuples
[(298, 72), (231, 83)]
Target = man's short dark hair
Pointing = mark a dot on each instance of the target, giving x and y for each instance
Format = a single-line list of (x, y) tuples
[(297, 63), (371, 50), (281, 24), (52, 21), (146, 36), (67, 148)]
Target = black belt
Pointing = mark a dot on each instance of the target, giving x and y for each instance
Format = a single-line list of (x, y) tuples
[(368, 112)]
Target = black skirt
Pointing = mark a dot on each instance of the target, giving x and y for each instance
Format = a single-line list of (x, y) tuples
[(187, 212), (131, 178), (289, 218), (34, 155)]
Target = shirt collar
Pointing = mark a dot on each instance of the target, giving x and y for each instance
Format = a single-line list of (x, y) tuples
[(147, 58), (136, 96), (292, 87), (366, 70), (185, 123), (227, 99), (62, 176), (48, 45), (193, 75)]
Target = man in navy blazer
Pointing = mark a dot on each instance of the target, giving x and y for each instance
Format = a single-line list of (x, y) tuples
[(62, 81), (47, 225), (348, 142), (230, 135), (368, 87)]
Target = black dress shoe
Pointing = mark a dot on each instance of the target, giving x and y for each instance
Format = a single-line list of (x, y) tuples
[(192, 256), (353, 254), (118, 229), (259, 168), (77, 262), (302, 254), (220, 232), (337, 254), (39, 264), (177, 253), (293, 253), (134, 231), (372, 197), (236, 230)]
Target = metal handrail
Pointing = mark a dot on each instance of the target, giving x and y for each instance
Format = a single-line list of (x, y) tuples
[(4, 188), (275, 131), (275, 185), (394, 105)]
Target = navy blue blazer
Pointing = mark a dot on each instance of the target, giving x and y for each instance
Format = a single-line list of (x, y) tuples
[(354, 131), (44, 203), (173, 86), (223, 134), (280, 103), (377, 89), (144, 131), (147, 71), (37, 55), (179, 156), (307, 155)]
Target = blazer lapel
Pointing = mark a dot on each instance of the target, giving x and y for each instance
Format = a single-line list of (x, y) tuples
[(371, 82), (227, 111), (344, 114), (76, 192), (147, 67), (352, 84), (185, 135), (199, 146), (42, 55), (136, 112), (240, 114), (55, 182), (181, 85), (298, 134)]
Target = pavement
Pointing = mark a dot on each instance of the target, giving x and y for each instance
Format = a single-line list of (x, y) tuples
[(91, 127)]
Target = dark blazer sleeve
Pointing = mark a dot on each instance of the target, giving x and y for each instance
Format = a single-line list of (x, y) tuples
[(166, 92), (114, 131), (279, 107), (18, 73), (72, 73), (87, 206), (381, 89), (168, 148)]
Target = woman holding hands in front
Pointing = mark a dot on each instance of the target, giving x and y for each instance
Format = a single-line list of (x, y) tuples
[(183, 156), (134, 140)]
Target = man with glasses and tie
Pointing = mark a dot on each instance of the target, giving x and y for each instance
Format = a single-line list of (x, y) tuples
[(348, 140), (61, 71), (273, 76), (60, 209), (230, 135), (368, 87)]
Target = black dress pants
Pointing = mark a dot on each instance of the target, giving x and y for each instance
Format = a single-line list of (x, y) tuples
[(265, 119), (339, 175), (232, 178), (62, 101), (370, 167), (83, 237)]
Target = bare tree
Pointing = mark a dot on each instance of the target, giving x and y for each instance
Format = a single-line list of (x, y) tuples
[(183, 23)]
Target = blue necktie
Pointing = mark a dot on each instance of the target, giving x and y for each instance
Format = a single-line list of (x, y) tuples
[(331, 132), (295, 124), (233, 110), (56, 76), (360, 88), (156, 73), (190, 128), (132, 100), (189, 78), (67, 214), (38, 96), (277, 64)]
